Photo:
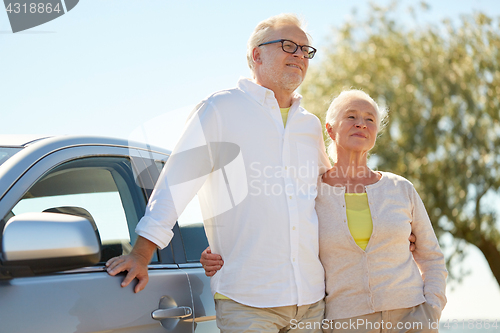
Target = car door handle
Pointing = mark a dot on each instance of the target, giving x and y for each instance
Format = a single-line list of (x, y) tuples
[(174, 313)]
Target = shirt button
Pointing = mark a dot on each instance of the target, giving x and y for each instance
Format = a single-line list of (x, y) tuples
[(293, 228), (293, 259), (290, 197)]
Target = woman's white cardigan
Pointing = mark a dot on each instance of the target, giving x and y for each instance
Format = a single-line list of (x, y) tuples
[(386, 275)]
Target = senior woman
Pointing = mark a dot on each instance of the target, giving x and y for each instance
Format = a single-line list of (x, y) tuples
[(373, 283)]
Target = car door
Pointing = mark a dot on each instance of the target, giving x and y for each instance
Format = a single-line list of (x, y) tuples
[(186, 251), (112, 185)]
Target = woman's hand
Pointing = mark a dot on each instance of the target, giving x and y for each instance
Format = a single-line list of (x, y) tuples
[(211, 262), (413, 240)]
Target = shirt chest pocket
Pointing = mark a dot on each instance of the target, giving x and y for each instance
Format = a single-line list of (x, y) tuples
[(307, 161)]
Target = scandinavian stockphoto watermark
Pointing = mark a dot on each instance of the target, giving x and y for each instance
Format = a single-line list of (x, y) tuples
[(471, 324), (24, 15), (362, 324), (197, 158), (276, 180)]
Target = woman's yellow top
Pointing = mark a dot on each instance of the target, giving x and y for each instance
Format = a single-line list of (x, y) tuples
[(359, 218)]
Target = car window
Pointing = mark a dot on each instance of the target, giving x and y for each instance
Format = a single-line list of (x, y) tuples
[(194, 239), (192, 231), (100, 187)]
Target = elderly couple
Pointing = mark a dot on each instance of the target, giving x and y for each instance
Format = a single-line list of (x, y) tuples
[(281, 241)]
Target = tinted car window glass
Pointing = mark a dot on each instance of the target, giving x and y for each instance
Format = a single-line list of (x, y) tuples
[(194, 240), (191, 228), (192, 231)]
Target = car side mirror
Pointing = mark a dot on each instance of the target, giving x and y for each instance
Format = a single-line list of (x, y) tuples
[(40, 243)]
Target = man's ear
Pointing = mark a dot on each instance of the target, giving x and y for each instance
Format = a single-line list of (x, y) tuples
[(256, 56)]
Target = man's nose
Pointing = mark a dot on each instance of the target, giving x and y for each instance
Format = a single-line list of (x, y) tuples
[(299, 53)]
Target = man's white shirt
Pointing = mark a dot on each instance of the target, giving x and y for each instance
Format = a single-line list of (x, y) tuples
[(256, 183)]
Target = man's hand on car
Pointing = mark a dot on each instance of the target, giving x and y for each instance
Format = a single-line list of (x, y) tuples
[(211, 262), (135, 263)]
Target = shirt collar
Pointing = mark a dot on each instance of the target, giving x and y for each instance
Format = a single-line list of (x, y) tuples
[(259, 93)]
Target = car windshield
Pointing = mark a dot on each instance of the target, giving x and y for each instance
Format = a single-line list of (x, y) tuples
[(7, 152)]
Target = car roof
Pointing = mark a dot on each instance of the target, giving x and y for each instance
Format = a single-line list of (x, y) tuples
[(33, 148), (21, 141)]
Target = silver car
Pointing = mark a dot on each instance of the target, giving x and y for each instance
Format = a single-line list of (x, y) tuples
[(67, 205)]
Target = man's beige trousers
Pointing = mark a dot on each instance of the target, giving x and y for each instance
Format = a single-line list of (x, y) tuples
[(233, 317)]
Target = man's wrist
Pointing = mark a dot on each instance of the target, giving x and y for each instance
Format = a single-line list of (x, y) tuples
[(143, 250)]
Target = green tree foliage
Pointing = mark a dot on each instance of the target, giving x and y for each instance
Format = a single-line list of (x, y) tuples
[(441, 84)]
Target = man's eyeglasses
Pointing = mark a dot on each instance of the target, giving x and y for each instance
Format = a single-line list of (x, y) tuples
[(290, 47)]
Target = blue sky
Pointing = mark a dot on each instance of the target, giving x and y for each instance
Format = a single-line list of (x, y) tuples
[(115, 67)]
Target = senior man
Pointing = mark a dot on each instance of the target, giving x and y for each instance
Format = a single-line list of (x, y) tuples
[(259, 212)]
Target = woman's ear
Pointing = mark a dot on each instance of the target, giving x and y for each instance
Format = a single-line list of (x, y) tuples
[(330, 132)]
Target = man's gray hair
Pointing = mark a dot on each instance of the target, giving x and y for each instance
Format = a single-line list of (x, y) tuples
[(264, 28), (336, 107)]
